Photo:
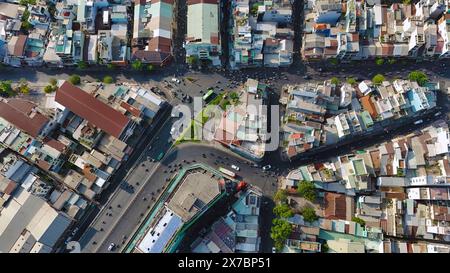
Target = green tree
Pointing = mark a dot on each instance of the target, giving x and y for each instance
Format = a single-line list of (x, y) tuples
[(110, 66), (418, 76), (53, 82), (27, 2), (150, 68), (23, 86), (234, 96), (307, 190), (359, 221), (379, 61), (280, 196), (333, 61), (137, 65), (283, 211), (26, 26), (309, 214), (254, 9), (406, 2), (192, 60), (392, 61), (49, 89), (325, 248), (82, 65), (75, 79), (378, 79), (108, 79), (279, 232), (6, 89), (335, 81), (351, 81)]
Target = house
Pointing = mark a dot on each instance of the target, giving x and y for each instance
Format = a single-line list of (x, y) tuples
[(94, 111), (30, 224), (152, 33), (203, 34)]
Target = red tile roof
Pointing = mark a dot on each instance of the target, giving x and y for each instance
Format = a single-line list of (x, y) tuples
[(23, 115), (368, 105), (19, 48), (335, 206), (88, 107)]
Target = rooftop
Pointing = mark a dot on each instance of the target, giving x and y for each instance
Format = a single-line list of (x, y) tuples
[(88, 107)]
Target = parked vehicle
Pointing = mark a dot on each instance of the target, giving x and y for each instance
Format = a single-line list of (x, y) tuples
[(111, 247), (266, 168), (234, 167), (227, 172)]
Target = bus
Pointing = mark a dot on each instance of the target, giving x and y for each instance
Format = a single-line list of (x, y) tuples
[(227, 172), (160, 156), (208, 95)]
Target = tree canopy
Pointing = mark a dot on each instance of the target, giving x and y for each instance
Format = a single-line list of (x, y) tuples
[(378, 79), (418, 76), (307, 190), (137, 65), (53, 81), (335, 80), (351, 81), (280, 196), (6, 89), (75, 79), (108, 79), (283, 211), (279, 232), (379, 61), (23, 86), (309, 214), (49, 89), (359, 221)]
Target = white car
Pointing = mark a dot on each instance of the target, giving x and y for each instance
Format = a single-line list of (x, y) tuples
[(111, 246), (176, 80), (267, 167), (235, 167)]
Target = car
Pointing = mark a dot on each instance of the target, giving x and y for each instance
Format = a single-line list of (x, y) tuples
[(235, 167), (111, 247), (437, 114), (307, 77), (274, 250), (176, 80), (418, 122), (266, 168)]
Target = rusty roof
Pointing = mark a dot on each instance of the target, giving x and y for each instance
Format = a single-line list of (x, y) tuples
[(88, 107), (24, 115), (335, 206)]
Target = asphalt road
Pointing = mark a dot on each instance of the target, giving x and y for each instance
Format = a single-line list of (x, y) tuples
[(126, 218), (153, 179)]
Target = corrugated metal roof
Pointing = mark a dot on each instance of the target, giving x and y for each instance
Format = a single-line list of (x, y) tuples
[(88, 107)]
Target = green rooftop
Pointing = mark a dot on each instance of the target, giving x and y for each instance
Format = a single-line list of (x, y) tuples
[(366, 119), (358, 165)]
